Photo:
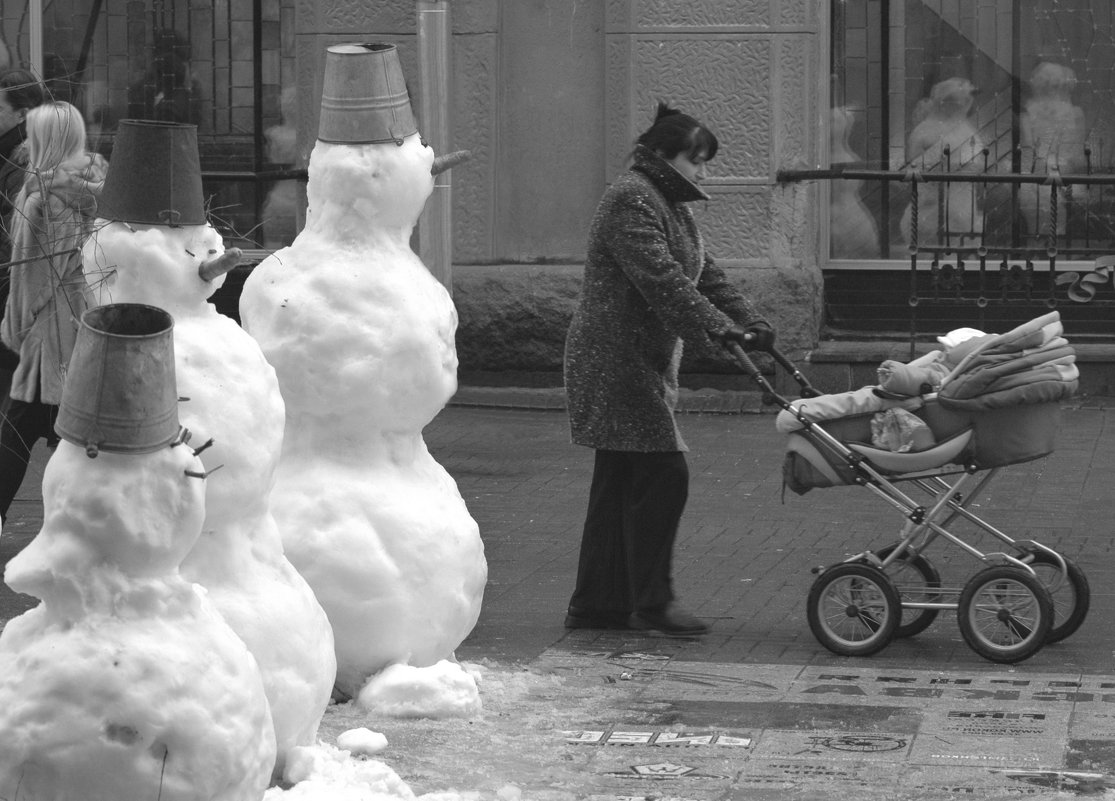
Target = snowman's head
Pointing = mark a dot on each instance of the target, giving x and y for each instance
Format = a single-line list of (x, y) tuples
[(153, 264), (384, 184), (133, 515)]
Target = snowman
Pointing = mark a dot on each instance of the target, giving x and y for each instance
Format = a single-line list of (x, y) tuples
[(361, 338), (154, 246), (125, 682)]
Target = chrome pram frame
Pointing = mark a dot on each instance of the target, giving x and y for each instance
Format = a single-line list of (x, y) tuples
[(1024, 597)]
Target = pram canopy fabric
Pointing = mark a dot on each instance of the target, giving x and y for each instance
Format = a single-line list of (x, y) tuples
[(1031, 364)]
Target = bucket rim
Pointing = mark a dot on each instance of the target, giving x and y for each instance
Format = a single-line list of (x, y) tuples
[(89, 314)]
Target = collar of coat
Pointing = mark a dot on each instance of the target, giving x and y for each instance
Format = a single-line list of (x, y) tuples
[(672, 184)]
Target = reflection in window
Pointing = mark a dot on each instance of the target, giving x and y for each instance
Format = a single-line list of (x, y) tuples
[(854, 233), (1008, 87), (183, 61), (168, 90)]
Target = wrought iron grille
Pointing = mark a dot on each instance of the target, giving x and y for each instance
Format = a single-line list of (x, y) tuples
[(971, 143), (981, 268)]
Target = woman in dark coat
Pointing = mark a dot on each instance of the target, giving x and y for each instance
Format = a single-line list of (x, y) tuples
[(648, 285)]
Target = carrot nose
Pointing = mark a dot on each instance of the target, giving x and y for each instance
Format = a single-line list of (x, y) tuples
[(208, 270), (449, 161)]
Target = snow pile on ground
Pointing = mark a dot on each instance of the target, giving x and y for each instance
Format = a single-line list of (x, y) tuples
[(439, 691), (326, 773), (362, 742)]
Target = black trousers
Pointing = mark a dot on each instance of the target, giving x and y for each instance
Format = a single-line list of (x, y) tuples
[(24, 424), (634, 506)]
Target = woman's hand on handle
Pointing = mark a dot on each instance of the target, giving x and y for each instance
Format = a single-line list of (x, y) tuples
[(759, 336)]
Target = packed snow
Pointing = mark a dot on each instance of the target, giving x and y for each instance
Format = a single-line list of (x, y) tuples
[(200, 602), (438, 691), (361, 742), (229, 396), (125, 681), (361, 338)]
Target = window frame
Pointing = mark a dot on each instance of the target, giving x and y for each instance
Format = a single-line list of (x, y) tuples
[(828, 174)]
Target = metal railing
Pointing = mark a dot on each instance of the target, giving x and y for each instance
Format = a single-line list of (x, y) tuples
[(980, 266)]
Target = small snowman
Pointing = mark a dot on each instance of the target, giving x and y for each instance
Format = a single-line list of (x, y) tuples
[(125, 682), (361, 336), (153, 245)]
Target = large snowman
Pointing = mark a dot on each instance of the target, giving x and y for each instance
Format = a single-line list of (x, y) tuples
[(154, 246), (125, 682), (361, 337)]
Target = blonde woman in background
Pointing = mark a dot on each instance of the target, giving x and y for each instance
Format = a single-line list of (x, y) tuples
[(53, 214)]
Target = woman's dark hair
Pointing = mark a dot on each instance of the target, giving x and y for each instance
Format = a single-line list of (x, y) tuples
[(23, 91), (674, 132)]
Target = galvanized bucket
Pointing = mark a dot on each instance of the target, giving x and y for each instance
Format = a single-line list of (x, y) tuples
[(120, 393), (154, 175), (365, 99)]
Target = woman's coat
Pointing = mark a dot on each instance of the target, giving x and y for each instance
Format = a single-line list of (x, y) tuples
[(48, 294), (648, 285)]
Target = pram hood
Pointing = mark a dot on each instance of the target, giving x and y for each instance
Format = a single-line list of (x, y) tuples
[(1032, 363)]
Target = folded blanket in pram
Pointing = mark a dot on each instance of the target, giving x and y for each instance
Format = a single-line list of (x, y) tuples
[(1031, 364), (843, 404)]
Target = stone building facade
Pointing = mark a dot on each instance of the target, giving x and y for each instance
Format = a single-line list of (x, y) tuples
[(548, 95)]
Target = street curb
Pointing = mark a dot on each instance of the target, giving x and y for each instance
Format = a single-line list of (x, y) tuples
[(690, 401)]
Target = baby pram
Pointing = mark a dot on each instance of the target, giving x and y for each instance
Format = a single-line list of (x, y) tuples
[(994, 402)]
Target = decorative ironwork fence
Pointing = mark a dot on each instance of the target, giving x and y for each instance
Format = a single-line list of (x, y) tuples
[(956, 257)]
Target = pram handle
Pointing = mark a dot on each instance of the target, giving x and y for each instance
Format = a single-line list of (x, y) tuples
[(770, 397)]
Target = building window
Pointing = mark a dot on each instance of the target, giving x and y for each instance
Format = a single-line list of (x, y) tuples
[(972, 89), (227, 68)]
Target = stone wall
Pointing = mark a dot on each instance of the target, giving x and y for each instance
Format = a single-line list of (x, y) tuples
[(513, 319), (550, 95)]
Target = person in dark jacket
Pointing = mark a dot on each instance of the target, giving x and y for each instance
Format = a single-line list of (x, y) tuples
[(19, 93), (648, 285)]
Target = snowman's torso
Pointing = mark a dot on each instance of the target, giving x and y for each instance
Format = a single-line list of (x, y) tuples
[(125, 681)]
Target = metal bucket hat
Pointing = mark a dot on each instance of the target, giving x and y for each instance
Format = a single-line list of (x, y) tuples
[(365, 99), (154, 175)]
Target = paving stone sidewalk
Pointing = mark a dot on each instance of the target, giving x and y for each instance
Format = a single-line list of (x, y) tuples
[(756, 709), (926, 718), (747, 547)]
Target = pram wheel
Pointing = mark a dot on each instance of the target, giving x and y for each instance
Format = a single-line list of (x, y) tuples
[(1005, 614), (916, 580), (853, 609), (1069, 591)]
